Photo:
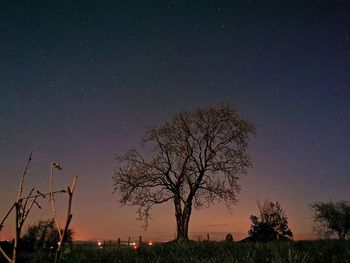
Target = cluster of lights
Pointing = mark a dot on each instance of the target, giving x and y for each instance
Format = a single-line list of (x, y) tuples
[(133, 244)]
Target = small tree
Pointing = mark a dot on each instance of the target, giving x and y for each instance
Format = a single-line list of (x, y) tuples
[(332, 218), (271, 224), (195, 159)]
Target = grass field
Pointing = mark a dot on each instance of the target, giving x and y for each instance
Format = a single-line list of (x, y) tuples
[(326, 251)]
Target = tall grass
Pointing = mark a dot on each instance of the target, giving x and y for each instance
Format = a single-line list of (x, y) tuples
[(326, 251)]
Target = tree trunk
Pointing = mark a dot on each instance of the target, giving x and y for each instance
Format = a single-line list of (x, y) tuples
[(182, 220), (17, 234), (179, 221)]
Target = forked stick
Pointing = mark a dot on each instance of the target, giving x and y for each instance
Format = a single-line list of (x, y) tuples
[(70, 191), (53, 208), (17, 205)]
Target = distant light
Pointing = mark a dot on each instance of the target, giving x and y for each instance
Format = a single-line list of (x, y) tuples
[(150, 243), (58, 243), (99, 243), (135, 247)]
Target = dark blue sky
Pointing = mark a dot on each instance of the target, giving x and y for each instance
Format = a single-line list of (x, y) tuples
[(81, 82)]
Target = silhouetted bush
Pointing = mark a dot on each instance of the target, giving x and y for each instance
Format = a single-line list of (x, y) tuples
[(229, 237), (43, 236), (271, 224)]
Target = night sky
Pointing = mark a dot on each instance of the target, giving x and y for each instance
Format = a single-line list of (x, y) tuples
[(80, 83)]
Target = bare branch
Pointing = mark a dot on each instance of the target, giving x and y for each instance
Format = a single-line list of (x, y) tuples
[(18, 205), (8, 213), (52, 198), (20, 188), (5, 255), (24, 206), (43, 195)]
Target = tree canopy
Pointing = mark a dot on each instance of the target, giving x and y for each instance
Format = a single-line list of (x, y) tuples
[(332, 218), (271, 224), (194, 159)]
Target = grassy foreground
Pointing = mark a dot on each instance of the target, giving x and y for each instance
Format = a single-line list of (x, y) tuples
[(326, 251)]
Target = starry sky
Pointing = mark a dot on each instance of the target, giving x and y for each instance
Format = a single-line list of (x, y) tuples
[(81, 82)]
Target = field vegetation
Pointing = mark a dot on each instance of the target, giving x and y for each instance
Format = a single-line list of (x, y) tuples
[(326, 251)]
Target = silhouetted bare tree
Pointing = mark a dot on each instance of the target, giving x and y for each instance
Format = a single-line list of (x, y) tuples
[(332, 218), (194, 159)]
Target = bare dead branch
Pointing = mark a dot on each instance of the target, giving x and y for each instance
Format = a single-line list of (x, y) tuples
[(18, 205), (70, 191), (43, 195), (4, 219), (20, 188), (24, 206), (52, 198), (5, 255)]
